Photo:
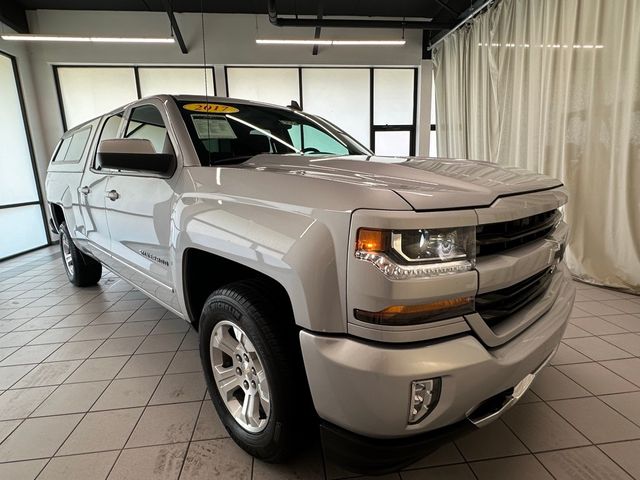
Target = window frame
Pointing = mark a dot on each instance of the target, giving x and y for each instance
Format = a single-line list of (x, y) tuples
[(122, 128), (39, 201)]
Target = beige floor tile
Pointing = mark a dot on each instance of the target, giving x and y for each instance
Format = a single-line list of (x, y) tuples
[(127, 392), (161, 343), (77, 320), (48, 374), (112, 317), (134, 329), (174, 325), (10, 375), (74, 350), (628, 322), (27, 470), (625, 454), (165, 424), (146, 364), (30, 354), (5, 352), (628, 368), (55, 335), (118, 346), (88, 466), (162, 462), (186, 361), (114, 427), (40, 323), (95, 332), (209, 425), (628, 404), (95, 369), (551, 384), (19, 339), (626, 306), (581, 463), (6, 427), (181, 387), (629, 342), (451, 472), (596, 348), (524, 467), (596, 420), (37, 437), (216, 459), (598, 308), (597, 379), (567, 355), (493, 441), (541, 428), (71, 398), (20, 403), (596, 326), (145, 314)]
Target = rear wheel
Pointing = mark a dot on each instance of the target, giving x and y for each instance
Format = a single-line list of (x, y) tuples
[(82, 270), (251, 370)]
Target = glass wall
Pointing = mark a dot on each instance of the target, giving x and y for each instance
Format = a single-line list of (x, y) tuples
[(22, 225), (89, 91), (375, 105)]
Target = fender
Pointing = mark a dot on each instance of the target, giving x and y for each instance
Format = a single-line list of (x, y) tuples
[(300, 252)]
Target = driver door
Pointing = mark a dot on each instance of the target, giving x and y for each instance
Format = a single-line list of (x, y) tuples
[(139, 207)]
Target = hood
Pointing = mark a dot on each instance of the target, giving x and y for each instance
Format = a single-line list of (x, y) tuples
[(424, 183)]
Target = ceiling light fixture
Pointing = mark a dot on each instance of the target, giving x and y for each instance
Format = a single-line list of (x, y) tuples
[(68, 38), (273, 41)]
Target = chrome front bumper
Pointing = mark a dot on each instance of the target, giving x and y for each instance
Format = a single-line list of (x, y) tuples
[(364, 387)]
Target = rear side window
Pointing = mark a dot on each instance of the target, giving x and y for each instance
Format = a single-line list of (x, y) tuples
[(146, 122), (73, 146)]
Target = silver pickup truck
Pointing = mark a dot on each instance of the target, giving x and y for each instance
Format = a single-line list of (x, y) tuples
[(402, 301)]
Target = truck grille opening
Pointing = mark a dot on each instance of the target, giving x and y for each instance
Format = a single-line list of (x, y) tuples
[(495, 306), (498, 237)]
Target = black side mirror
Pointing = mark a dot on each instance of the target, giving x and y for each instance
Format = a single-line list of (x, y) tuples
[(134, 154)]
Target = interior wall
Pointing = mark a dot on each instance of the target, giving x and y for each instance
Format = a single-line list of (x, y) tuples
[(221, 31)]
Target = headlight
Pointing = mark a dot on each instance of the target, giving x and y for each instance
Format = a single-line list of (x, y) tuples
[(402, 254)]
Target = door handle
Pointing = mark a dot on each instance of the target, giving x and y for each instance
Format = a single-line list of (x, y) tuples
[(85, 190), (113, 195)]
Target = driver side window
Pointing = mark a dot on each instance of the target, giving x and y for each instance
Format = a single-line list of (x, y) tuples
[(146, 122)]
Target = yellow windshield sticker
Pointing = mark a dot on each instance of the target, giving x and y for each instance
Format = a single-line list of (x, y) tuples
[(210, 108)]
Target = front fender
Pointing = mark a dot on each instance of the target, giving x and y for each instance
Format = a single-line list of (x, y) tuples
[(303, 249)]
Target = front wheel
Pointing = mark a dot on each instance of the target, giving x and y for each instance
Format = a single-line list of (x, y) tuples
[(250, 370), (82, 270)]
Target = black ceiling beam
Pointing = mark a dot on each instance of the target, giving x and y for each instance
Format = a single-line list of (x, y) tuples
[(444, 5), (476, 7), (334, 23), (14, 16), (174, 26)]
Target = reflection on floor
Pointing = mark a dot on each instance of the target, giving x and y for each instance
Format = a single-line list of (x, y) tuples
[(102, 383)]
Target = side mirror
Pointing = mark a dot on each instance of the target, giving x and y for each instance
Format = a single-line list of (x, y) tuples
[(134, 154)]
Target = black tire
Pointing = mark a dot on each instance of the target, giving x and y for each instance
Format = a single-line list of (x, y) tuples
[(247, 305), (84, 271)]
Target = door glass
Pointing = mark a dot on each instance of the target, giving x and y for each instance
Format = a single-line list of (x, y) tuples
[(146, 122)]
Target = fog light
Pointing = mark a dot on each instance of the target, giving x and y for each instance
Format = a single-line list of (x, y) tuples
[(424, 397)]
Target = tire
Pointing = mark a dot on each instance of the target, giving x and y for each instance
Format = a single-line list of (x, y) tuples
[(82, 270), (244, 308)]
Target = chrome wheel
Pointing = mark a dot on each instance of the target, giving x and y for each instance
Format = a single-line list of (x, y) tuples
[(239, 376), (66, 252)]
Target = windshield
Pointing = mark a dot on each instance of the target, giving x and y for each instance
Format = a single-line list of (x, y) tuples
[(233, 132)]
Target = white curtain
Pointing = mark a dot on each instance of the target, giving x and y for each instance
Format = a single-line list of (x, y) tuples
[(554, 86)]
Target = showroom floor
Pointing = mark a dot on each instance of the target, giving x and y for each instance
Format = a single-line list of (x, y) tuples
[(101, 383)]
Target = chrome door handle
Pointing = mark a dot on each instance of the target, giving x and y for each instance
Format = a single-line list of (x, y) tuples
[(85, 190), (113, 195)]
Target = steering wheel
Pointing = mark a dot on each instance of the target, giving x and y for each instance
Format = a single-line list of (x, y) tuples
[(310, 150)]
